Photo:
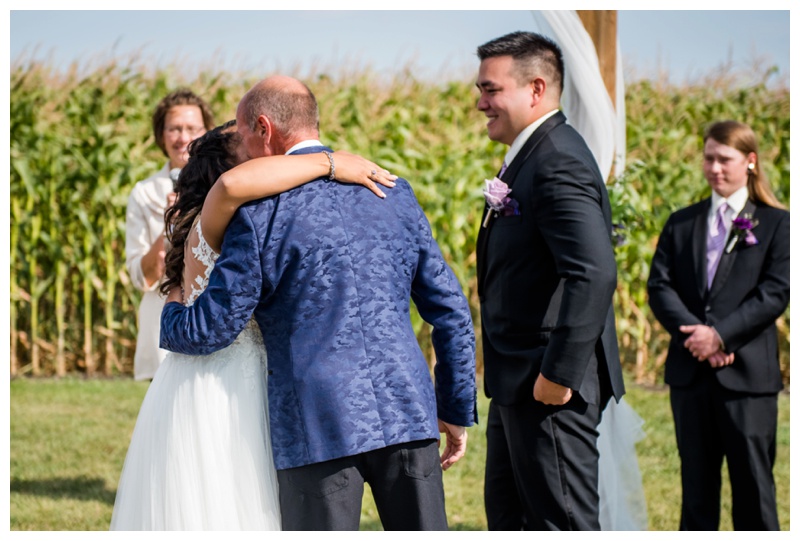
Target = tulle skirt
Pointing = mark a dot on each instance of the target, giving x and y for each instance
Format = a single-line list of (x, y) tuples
[(622, 503), (200, 456)]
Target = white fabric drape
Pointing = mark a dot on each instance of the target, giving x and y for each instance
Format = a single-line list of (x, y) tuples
[(590, 111), (622, 501), (584, 99), (620, 126)]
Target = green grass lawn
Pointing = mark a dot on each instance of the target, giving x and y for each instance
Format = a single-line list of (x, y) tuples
[(69, 438)]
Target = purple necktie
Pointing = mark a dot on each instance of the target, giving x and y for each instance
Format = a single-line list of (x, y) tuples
[(502, 170), (715, 243)]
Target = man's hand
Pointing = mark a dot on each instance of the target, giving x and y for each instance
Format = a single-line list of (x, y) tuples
[(719, 359), (550, 393), (456, 445), (703, 342)]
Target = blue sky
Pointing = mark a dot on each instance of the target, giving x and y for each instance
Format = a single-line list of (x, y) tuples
[(684, 44)]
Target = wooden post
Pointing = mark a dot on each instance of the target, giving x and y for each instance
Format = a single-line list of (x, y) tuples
[(602, 27)]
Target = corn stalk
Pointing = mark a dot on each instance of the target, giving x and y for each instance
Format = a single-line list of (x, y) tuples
[(79, 142)]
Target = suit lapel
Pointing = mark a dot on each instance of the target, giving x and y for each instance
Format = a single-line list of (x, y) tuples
[(699, 248), (483, 234), (524, 153), (508, 177), (727, 259)]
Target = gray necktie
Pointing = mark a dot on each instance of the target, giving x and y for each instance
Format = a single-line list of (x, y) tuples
[(716, 243), (502, 170)]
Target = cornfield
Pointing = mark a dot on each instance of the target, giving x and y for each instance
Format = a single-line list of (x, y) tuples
[(79, 142), (664, 173)]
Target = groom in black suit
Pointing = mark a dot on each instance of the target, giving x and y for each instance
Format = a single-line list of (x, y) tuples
[(717, 285), (546, 277)]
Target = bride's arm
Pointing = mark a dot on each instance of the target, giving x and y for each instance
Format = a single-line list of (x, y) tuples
[(263, 177)]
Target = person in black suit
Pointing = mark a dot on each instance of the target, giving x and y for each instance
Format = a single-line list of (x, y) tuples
[(546, 278), (718, 281)]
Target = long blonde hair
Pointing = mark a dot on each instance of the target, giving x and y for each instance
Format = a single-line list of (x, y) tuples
[(741, 137)]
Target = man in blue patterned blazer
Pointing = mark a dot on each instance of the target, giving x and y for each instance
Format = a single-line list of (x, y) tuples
[(327, 271)]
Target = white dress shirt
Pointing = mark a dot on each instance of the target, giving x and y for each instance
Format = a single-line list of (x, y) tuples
[(523, 136), (305, 144), (736, 203)]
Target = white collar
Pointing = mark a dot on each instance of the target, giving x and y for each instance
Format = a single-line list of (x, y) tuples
[(523, 136), (304, 144), (736, 201)]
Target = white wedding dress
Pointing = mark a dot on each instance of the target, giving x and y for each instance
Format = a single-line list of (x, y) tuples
[(200, 455)]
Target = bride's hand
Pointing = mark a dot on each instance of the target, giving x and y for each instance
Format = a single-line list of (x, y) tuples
[(175, 295), (353, 169)]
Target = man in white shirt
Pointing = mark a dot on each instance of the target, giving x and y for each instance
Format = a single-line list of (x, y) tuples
[(546, 277), (718, 281)]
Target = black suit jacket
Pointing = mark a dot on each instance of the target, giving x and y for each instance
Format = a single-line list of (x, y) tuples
[(546, 277), (750, 291)]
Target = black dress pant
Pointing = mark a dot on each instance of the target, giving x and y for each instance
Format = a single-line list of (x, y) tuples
[(541, 466), (406, 483), (712, 422)]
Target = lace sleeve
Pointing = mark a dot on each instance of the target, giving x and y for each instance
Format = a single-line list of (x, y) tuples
[(199, 261)]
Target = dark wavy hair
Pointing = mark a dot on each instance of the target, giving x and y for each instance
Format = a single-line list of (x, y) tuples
[(209, 156)]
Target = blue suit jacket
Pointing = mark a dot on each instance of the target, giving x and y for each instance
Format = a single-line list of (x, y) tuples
[(327, 270)]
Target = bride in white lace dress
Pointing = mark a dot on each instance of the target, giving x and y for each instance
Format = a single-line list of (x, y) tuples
[(200, 455)]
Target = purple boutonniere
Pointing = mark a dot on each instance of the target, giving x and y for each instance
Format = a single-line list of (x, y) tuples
[(496, 194), (742, 228)]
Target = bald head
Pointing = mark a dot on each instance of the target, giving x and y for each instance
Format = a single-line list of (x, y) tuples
[(288, 104), (281, 83)]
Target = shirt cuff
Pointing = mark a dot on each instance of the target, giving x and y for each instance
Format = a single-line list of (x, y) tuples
[(721, 341), (136, 275)]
